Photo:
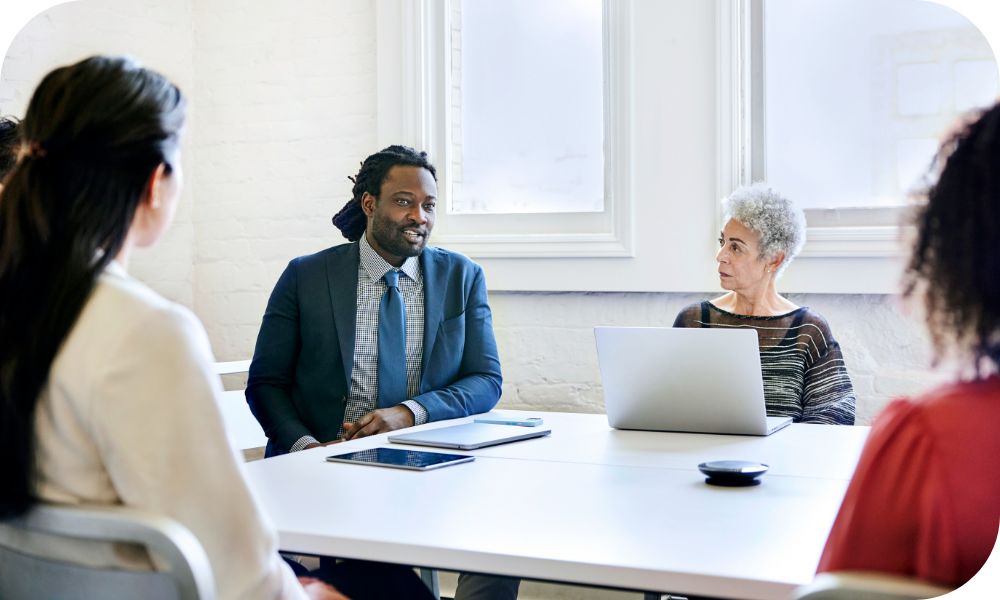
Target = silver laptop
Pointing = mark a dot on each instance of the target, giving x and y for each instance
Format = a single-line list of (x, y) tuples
[(469, 436), (684, 379)]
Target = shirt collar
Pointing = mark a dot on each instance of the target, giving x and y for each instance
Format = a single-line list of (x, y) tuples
[(115, 268), (377, 267)]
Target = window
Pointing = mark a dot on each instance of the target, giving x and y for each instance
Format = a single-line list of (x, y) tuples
[(527, 107), (874, 90), (843, 106), (522, 106)]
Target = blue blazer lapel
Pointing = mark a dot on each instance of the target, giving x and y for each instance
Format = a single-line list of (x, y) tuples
[(342, 277), (435, 273)]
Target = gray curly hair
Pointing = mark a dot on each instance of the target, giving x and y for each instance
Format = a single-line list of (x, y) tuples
[(781, 225)]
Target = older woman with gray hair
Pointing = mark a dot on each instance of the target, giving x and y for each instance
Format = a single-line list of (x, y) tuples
[(804, 373)]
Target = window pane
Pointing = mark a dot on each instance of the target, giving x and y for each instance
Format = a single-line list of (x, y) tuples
[(528, 106), (858, 93)]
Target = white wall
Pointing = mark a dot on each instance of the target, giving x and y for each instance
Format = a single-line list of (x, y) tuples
[(158, 34), (547, 348), (285, 95), (283, 109)]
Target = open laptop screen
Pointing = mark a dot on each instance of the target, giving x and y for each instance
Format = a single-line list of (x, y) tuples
[(682, 379)]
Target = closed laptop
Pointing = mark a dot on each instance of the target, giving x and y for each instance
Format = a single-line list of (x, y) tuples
[(469, 436)]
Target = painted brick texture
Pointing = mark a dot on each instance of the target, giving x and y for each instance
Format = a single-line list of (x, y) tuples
[(282, 110)]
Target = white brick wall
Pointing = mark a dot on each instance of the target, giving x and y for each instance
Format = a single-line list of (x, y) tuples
[(156, 33), (282, 111), (549, 360), (285, 99)]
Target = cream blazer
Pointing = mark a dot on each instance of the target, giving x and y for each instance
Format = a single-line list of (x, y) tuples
[(129, 416)]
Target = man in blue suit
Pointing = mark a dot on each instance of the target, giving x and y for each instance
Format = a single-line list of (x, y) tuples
[(314, 375), (378, 334)]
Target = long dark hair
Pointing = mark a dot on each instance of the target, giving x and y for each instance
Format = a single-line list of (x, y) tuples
[(93, 135), (351, 220), (955, 266)]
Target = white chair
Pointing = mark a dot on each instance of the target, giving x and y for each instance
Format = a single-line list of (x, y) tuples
[(242, 428), (862, 585), (188, 575), (232, 367)]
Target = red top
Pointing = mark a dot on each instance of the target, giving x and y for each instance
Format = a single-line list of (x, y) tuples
[(925, 499)]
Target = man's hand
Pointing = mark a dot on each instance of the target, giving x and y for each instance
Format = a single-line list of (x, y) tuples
[(379, 421), (317, 590)]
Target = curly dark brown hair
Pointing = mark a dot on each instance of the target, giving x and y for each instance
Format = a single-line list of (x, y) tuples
[(955, 264)]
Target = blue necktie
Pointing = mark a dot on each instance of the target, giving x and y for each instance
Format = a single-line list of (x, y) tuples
[(391, 344)]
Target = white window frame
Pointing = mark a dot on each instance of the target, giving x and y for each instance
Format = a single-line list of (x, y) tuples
[(414, 108), (742, 148), (684, 157)]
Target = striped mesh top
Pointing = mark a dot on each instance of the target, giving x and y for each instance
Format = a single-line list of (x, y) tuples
[(804, 373)]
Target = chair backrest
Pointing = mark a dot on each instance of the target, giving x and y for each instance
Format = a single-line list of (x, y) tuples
[(242, 428), (863, 585), (232, 367), (188, 575)]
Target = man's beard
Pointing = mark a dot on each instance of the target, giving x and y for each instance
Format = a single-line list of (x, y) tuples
[(390, 237)]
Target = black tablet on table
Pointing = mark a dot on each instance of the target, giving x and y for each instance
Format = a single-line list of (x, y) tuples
[(415, 460)]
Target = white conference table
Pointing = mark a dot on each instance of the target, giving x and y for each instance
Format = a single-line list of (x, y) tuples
[(587, 505)]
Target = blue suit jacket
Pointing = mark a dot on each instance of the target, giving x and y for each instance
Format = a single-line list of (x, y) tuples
[(300, 376)]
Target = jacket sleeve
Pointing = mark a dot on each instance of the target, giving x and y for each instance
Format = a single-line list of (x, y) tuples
[(158, 428), (272, 370), (477, 387)]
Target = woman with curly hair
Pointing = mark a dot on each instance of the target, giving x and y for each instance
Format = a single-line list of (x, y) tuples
[(804, 373), (925, 498)]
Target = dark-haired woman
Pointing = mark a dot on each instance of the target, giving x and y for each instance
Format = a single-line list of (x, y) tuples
[(106, 389), (925, 499)]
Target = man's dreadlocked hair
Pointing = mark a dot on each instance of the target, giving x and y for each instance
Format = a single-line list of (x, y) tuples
[(955, 266), (351, 220)]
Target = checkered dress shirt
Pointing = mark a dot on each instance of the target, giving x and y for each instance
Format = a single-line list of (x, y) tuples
[(363, 396)]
